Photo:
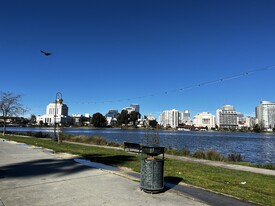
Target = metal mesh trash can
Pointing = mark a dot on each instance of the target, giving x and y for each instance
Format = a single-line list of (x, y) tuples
[(152, 169)]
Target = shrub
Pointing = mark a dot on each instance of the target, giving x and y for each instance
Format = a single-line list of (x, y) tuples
[(213, 155), (267, 166), (170, 150), (185, 152), (114, 144), (41, 135), (234, 157), (97, 140), (199, 154)]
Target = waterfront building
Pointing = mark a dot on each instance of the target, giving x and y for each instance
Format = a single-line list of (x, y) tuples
[(248, 122), (56, 112), (111, 117), (226, 117), (133, 107), (112, 113), (184, 117), (265, 113), (150, 117), (204, 119), (169, 118)]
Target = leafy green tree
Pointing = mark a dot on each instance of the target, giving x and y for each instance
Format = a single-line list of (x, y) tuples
[(134, 116), (41, 123), (98, 120), (33, 119), (10, 106), (153, 123), (122, 118), (83, 119), (257, 128)]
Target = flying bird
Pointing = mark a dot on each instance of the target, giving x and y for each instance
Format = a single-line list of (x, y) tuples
[(45, 53)]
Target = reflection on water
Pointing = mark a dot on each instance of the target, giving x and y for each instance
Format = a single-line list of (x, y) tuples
[(254, 147)]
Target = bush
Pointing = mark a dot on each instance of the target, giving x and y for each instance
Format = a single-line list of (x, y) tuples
[(114, 144), (97, 140), (267, 166), (41, 135), (234, 157), (199, 154), (172, 151), (213, 155), (185, 152)]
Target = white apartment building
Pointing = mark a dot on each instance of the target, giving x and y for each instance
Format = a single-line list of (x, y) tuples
[(204, 119), (265, 113), (169, 118), (56, 112)]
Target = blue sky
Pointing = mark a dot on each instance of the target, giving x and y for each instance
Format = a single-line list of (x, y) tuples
[(108, 54)]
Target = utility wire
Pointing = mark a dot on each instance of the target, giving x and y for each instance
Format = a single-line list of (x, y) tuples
[(202, 84)]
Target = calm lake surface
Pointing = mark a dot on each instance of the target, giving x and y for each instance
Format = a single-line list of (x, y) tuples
[(258, 148)]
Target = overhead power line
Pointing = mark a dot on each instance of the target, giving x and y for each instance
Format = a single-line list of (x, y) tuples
[(190, 87)]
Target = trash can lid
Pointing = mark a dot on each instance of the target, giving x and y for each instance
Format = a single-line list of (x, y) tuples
[(152, 150)]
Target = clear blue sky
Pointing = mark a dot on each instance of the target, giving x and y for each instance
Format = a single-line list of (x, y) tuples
[(108, 54)]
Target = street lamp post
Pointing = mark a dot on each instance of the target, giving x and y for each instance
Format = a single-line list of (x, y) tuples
[(58, 96)]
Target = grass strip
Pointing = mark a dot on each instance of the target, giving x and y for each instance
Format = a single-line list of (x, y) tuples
[(246, 186)]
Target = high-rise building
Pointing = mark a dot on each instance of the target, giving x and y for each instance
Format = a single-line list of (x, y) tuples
[(135, 106), (184, 117), (169, 118), (226, 117), (265, 113)]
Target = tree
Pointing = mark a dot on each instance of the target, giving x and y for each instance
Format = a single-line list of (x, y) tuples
[(33, 119), (98, 120), (83, 120), (122, 118), (134, 116), (10, 106), (153, 123), (257, 128)]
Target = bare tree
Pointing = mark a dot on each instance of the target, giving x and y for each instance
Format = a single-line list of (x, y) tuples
[(10, 106)]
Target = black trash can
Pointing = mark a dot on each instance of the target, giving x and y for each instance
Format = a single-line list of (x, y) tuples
[(152, 169)]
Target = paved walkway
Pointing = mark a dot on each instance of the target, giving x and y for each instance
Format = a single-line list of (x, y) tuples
[(34, 176), (30, 176)]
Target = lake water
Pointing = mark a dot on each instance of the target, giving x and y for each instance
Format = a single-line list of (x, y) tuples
[(258, 148)]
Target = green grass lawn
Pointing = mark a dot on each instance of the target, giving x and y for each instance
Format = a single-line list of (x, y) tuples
[(258, 188)]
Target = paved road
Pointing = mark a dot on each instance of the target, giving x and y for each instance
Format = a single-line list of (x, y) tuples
[(34, 176)]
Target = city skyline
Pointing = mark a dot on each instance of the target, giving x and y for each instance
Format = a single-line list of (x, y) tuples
[(132, 107), (159, 54)]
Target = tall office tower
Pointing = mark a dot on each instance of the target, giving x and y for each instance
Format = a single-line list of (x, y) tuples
[(135, 106), (265, 113)]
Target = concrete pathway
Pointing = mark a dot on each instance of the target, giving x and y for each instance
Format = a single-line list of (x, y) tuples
[(31, 176), (35, 176)]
